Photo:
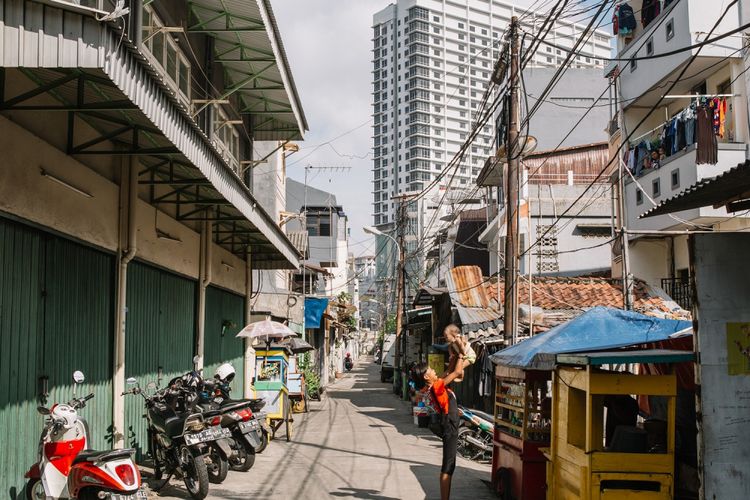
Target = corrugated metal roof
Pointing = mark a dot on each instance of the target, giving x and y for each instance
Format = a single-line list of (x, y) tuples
[(732, 185), (469, 295), (473, 215), (466, 287), (249, 47), (300, 241), (552, 167)]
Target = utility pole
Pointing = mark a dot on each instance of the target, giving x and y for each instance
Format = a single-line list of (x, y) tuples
[(511, 195), (399, 298)]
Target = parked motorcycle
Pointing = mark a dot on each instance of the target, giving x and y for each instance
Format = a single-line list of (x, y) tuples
[(179, 440), (222, 388), (348, 362), (475, 434), (236, 416), (68, 469)]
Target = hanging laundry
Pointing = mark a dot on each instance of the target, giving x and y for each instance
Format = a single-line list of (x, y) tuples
[(624, 20), (708, 147), (714, 106), (616, 20), (722, 116), (649, 10)]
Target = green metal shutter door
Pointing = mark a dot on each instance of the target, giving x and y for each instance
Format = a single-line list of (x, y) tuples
[(55, 317), (78, 330), (21, 320), (159, 337), (225, 316)]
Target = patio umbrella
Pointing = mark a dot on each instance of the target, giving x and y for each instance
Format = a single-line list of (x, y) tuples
[(267, 330), (298, 346)]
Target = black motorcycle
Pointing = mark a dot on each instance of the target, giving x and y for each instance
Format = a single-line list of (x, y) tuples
[(236, 416), (179, 441), (348, 363), (222, 391)]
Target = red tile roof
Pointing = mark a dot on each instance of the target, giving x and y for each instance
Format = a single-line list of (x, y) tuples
[(563, 293)]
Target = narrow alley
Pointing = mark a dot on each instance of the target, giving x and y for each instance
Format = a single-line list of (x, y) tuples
[(359, 442)]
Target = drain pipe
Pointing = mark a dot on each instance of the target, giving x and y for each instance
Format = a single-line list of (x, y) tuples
[(249, 358), (128, 204), (205, 280)]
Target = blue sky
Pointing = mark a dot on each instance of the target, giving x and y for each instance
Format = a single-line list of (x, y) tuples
[(328, 45)]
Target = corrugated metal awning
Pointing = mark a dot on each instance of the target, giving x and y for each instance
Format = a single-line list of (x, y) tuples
[(248, 46), (300, 240), (732, 188), (109, 87)]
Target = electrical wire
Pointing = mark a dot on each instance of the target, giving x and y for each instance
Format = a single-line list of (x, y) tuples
[(625, 141)]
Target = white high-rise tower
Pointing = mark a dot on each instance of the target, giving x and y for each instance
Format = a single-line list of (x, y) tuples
[(432, 61)]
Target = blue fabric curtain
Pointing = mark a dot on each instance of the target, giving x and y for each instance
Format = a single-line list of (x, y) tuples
[(314, 309)]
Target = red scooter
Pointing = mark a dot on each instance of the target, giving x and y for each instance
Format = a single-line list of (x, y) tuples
[(67, 469)]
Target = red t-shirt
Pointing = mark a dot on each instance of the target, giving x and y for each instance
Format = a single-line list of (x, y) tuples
[(440, 393)]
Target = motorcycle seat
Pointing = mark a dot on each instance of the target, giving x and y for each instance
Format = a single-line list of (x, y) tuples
[(103, 456), (231, 405), (483, 415)]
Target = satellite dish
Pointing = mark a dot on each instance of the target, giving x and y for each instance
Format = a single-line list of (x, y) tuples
[(527, 142)]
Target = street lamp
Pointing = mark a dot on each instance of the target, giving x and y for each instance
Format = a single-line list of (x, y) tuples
[(401, 297), (377, 232)]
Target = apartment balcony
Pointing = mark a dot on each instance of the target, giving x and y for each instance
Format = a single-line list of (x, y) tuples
[(676, 174), (680, 25), (680, 290)]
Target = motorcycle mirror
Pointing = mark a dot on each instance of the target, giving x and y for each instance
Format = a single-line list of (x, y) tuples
[(196, 358), (43, 411), (78, 377), (131, 381)]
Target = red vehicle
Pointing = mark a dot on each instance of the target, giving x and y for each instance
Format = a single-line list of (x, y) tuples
[(68, 469)]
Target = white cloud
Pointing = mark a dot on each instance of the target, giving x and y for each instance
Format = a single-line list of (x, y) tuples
[(328, 45)]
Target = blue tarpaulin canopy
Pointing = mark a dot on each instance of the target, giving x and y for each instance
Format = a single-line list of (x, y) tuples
[(600, 328), (314, 309)]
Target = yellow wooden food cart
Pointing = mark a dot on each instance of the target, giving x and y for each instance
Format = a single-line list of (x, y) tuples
[(272, 369), (590, 459)]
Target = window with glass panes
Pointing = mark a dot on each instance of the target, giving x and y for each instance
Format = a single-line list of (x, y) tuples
[(166, 54), (226, 137)]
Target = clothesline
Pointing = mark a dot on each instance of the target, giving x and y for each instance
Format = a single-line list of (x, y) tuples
[(685, 96)]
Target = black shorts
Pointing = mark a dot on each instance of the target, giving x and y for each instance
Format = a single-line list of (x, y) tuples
[(450, 441)]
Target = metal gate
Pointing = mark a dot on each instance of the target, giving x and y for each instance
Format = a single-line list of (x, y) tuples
[(225, 315), (159, 337), (56, 316)]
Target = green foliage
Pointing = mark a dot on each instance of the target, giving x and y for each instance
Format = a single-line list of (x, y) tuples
[(344, 297), (390, 324), (312, 380)]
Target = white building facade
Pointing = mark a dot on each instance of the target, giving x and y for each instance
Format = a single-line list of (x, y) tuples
[(432, 61), (713, 73)]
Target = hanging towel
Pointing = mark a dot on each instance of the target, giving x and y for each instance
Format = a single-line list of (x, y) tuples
[(708, 147)]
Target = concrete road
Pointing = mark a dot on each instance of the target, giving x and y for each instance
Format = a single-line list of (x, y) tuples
[(359, 442)]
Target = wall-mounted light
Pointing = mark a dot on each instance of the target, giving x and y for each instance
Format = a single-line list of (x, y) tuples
[(166, 236), (227, 265), (51, 177)]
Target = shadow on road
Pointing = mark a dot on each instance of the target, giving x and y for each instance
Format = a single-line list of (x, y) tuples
[(360, 493)]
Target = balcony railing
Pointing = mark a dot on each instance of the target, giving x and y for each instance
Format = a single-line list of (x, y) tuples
[(680, 291)]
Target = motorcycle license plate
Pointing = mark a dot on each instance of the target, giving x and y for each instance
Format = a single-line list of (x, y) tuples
[(249, 426), (138, 495), (210, 434)]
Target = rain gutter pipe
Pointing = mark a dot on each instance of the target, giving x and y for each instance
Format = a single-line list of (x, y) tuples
[(128, 204)]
